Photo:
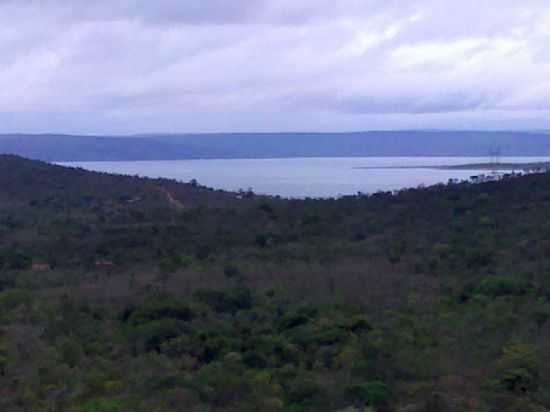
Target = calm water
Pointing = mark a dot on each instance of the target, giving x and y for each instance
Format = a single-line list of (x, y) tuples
[(314, 177)]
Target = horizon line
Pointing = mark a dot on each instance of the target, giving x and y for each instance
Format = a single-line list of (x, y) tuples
[(176, 134)]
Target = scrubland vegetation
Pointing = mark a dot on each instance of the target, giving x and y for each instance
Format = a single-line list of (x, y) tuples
[(127, 294)]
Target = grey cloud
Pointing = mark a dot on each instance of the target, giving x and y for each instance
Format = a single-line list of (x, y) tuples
[(405, 103), (158, 11), (445, 103), (188, 65)]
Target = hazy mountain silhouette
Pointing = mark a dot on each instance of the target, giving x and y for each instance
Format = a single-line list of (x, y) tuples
[(52, 147)]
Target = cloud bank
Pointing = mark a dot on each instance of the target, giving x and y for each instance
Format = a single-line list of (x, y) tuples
[(135, 66)]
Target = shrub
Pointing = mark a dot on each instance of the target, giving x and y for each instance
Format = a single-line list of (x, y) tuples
[(302, 390), (303, 336), (518, 380), (12, 298), (359, 324), (231, 271), (478, 258), (540, 317), (518, 367), (374, 393), (254, 360), (153, 334), (71, 352), (330, 336), (171, 264), (162, 309), (225, 301), (495, 286), (217, 385), (15, 260), (99, 405), (293, 320)]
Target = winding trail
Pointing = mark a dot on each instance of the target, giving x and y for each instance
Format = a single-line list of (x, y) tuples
[(175, 203)]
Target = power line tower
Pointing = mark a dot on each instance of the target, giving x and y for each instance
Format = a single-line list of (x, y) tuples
[(494, 155)]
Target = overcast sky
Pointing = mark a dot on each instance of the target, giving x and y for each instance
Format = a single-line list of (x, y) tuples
[(135, 66)]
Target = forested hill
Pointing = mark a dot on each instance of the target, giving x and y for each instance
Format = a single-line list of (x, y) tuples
[(275, 145), (23, 180), (120, 293)]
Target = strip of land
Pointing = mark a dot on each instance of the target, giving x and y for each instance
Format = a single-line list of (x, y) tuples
[(537, 166)]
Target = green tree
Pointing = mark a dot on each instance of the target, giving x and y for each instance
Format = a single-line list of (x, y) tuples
[(99, 405)]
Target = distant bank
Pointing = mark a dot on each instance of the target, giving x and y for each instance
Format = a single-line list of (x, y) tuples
[(529, 167), (59, 148)]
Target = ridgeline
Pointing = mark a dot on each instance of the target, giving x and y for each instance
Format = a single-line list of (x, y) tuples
[(65, 148)]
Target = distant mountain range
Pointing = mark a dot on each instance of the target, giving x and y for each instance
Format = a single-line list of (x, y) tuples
[(52, 147)]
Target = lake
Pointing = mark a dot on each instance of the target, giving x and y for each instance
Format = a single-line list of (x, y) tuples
[(305, 177)]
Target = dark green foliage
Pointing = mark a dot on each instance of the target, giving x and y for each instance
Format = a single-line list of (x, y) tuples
[(13, 259), (477, 259), (157, 321), (158, 310), (171, 264), (540, 317), (71, 352), (433, 299), (154, 333), (496, 286), (254, 360), (225, 301), (302, 390), (359, 324), (12, 298), (519, 368), (293, 320), (99, 405), (374, 393), (231, 271)]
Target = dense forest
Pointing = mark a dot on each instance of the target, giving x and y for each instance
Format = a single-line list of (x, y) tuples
[(120, 293)]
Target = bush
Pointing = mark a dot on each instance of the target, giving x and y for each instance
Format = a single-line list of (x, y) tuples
[(99, 405), (360, 324), (293, 320), (374, 393), (479, 258), (171, 264), (71, 352), (157, 310), (302, 390), (153, 334), (15, 260), (330, 336), (10, 299), (496, 286), (225, 301), (255, 360), (518, 367), (231, 271), (217, 385)]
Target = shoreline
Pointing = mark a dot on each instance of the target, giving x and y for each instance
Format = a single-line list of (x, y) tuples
[(540, 166)]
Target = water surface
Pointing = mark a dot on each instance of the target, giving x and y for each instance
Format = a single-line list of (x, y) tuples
[(305, 177)]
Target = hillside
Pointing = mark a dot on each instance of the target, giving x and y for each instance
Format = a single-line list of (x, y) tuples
[(275, 145), (41, 183), (120, 293)]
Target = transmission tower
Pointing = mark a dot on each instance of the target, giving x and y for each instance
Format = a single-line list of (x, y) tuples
[(494, 155)]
